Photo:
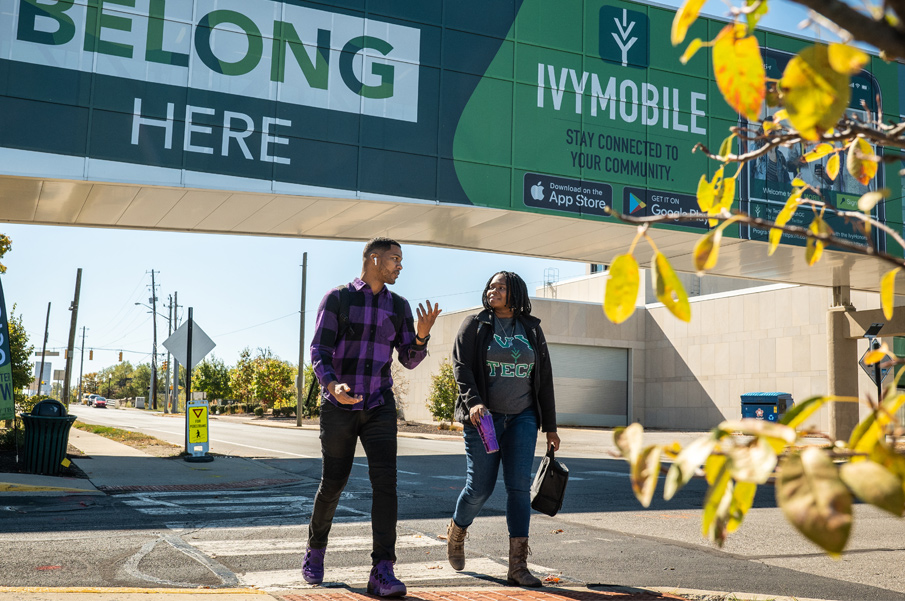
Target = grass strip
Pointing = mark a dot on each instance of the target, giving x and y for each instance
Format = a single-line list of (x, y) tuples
[(123, 436)]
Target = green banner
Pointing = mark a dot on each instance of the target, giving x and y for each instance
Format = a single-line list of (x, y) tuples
[(7, 403)]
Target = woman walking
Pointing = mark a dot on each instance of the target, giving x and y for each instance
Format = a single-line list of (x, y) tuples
[(503, 369)]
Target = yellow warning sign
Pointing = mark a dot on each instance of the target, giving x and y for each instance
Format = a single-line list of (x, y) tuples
[(197, 424)]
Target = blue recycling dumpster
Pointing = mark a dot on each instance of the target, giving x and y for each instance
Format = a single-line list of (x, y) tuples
[(770, 406)]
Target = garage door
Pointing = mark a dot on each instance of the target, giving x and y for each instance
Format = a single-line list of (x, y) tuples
[(591, 385)]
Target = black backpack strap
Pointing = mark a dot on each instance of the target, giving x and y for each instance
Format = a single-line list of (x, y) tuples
[(398, 317), (343, 323)]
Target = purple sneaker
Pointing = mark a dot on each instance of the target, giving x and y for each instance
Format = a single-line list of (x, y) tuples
[(383, 581), (313, 567)]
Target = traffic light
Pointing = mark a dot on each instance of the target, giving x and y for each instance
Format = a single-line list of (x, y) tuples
[(120, 356), (91, 355)]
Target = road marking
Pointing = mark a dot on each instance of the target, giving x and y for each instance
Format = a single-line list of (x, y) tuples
[(605, 473), (407, 572), (397, 470), (273, 546)]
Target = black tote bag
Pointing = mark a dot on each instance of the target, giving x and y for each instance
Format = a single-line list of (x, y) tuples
[(549, 485)]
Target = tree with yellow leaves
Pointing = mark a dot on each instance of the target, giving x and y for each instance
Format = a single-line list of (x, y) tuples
[(815, 485)]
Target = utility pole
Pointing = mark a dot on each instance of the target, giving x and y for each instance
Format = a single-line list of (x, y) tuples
[(300, 380), (175, 391), (166, 396), (82, 366), (154, 352), (74, 307), (44, 350)]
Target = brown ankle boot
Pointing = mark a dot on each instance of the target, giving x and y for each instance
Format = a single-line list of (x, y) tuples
[(518, 563), (455, 546)]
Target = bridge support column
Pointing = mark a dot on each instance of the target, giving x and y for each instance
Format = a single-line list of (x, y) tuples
[(842, 365)]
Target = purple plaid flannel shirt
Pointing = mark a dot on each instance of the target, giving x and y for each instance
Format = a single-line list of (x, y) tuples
[(362, 360)]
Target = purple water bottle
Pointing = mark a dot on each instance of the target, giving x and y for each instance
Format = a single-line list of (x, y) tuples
[(488, 434)]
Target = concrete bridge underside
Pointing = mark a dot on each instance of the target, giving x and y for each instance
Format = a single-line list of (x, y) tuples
[(35, 200)]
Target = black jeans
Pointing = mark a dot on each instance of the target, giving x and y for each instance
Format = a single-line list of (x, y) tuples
[(340, 431)]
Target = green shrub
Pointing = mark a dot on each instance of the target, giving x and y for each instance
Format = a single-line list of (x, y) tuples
[(259, 411), (441, 401), (8, 438), (233, 409)]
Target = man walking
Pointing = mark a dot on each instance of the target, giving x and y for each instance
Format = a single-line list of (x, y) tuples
[(358, 326)]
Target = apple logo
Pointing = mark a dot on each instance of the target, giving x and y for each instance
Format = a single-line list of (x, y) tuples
[(537, 191)]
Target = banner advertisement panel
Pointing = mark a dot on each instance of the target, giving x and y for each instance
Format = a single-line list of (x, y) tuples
[(7, 401), (561, 108)]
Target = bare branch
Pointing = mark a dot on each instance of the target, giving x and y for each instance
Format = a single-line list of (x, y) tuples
[(829, 239), (863, 27)]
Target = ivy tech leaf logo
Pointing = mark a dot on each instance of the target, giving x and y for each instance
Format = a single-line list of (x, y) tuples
[(624, 37)]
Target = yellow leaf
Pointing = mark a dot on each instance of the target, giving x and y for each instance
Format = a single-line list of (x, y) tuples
[(726, 146), (705, 194), (726, 195), (739, 70), (693, 46), (814, 499), (867, 202), (621, 289), (742, 500), (832, 166), (707, 250), (888, 290), (669, 288), (783, 218), (876, 355), (874, 484), (755, 16), (717, 500), (683, 468), (780, 115), (816, 96), (760, 427), (685, 16), (628, 440), (813, 247), (645, 474), (818, 153), (769, 125), (858, 162), (803, 410), (845, 59)]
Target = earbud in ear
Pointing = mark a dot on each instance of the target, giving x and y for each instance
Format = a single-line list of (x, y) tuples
[(375, 260)]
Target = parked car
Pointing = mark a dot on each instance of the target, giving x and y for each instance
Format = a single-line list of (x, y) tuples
[(100, 402)]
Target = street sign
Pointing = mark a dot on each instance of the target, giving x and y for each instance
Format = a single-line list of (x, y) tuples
[(177, 344), (196, 431), (871, 370)]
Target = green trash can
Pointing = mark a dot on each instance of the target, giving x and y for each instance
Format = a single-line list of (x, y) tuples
[(46, 437)]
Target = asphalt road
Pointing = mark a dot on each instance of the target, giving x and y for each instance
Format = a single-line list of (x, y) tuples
[(602, 535)]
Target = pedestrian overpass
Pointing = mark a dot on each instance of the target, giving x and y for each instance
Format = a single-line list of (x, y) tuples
[(509, 133)]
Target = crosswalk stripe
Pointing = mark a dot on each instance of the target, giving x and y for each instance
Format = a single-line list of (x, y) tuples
[(407, 572), (140, 501), (271, 546)]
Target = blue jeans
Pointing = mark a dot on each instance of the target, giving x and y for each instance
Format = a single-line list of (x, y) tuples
[(517, 436)]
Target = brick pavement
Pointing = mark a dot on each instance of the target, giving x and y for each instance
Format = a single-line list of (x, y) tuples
[(491, 594)]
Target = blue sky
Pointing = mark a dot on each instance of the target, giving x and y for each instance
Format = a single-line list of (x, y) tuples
[(245, 291)]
